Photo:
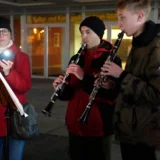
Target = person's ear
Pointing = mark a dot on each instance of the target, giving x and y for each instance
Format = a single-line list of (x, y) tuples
[(140, 16)]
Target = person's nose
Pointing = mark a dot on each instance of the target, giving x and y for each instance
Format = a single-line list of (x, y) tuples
[(1, 34), (84, 38), (120, 25)]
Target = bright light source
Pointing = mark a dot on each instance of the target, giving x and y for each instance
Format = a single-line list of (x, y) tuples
[(7, 53), (35, 30), (42, 31)]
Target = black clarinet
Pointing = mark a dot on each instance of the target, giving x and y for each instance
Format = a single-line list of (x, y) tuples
[(85, 114), (58, 89)]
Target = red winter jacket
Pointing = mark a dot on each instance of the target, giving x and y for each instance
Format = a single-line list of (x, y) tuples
[(91, 62), (19, 79)]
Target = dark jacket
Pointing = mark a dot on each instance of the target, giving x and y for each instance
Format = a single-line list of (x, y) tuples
[(78, 92), (137, 111)]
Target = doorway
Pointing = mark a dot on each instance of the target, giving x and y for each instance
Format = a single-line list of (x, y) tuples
[(45, 47)]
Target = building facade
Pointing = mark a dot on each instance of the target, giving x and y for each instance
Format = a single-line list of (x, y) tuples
[(50, 38)]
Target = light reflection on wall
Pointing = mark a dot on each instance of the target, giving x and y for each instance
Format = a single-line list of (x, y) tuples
[(35, 30)]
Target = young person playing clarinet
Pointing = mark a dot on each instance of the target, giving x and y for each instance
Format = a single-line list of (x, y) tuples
[(137, 110), (91, 141)]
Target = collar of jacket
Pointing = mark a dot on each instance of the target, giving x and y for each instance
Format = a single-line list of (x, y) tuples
[(103, 46), (149, 33)]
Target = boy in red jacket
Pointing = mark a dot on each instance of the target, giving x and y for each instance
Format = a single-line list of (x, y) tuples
[(86, 141)]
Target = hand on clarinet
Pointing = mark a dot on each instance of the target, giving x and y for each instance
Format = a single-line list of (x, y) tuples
[(76, 70), (57, 81), (106, 84), (111, 69)]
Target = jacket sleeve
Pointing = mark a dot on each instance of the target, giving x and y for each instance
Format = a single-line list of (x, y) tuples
[(148, 89)]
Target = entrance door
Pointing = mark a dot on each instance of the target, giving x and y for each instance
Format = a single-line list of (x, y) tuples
[(55, 49), (45, 47)]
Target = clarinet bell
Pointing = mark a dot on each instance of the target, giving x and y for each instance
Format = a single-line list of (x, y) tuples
[(84, 117), (47, 110), (46, 113)]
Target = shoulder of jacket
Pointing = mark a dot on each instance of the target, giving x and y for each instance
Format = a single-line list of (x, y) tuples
[(157, 40), (22, 54), (107, 45)]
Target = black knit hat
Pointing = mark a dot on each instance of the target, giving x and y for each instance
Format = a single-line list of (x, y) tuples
[(94, 23), (5, 23)]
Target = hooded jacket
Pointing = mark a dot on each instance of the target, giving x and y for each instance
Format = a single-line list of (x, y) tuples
[(78, 93), (137, 111)]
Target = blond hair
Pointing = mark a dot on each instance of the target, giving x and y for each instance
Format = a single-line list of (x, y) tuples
[(135, 5)]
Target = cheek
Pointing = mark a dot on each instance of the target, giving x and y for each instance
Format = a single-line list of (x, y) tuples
[(128, 25), (92, 37), (122, 24), (91, 40), (8, 40), (95, 37)]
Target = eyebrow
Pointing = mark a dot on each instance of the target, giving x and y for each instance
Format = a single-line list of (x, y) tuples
[(86, 30), (120, 14)]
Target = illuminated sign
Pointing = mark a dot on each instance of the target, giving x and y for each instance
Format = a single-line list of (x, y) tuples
[(111, 16)]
